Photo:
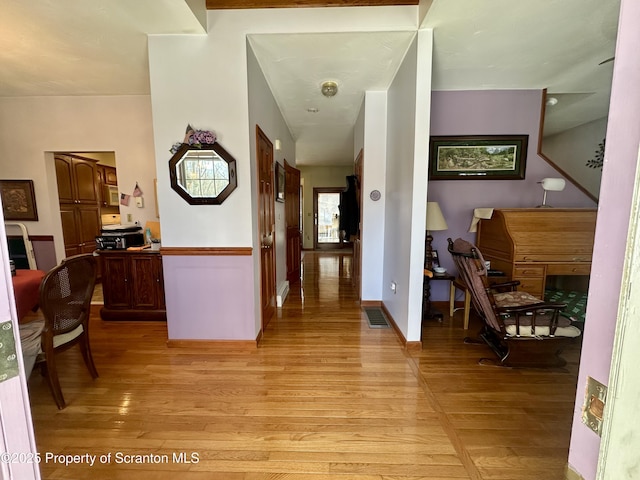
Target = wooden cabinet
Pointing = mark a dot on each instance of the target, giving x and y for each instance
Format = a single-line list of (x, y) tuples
[(76, 180), (133, 285), (106, 177), (79, 207), (110, 177)]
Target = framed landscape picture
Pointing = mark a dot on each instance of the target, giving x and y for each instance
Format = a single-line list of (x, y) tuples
[(18, 200), (489, 157)]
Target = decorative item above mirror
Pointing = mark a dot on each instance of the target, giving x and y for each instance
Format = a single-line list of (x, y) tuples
[(202, 173)]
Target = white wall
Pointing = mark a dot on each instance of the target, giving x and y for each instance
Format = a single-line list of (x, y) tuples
[(408, 122), (187, 88), (373, 218), (422, 127), (572, 149), (202, 81), (264, 112), (33, 126), (399, 181)]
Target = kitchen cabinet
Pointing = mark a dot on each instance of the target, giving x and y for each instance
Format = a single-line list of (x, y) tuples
[(132, 285), (79, 207), (107, 177), (110, 177)]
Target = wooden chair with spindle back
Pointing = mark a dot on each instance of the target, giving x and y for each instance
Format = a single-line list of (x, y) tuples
[(65, 300)]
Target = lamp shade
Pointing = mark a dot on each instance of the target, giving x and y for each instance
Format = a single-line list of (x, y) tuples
[(553, 184), (435, 219)]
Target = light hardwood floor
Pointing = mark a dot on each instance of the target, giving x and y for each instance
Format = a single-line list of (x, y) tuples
[(324, 397)]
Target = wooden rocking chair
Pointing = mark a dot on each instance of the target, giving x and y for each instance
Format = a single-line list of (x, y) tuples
[(522, 330)]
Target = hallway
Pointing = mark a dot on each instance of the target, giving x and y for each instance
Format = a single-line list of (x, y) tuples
[(323, 397)]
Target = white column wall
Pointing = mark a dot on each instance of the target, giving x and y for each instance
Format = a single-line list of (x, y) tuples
[(203, 81), (401, 109), (373, 218)]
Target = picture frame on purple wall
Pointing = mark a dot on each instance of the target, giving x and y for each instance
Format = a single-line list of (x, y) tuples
[(478, 157)]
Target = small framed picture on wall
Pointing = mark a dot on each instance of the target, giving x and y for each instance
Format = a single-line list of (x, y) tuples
[(18, 200), (279, 183)]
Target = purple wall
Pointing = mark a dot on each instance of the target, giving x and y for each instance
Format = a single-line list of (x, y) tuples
[(616, 193), (489, 112), (209, 297), (45, 253)]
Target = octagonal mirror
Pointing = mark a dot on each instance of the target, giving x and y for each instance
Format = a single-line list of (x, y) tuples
[(204, 175)]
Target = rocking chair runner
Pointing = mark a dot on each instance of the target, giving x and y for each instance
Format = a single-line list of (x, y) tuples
[(521, 329)]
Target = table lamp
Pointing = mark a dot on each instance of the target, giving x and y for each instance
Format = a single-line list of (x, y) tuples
[(435, 222), (550, 185)]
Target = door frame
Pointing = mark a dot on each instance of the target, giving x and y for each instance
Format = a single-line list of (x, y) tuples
[(16, 423), (316, 244), (266, 277), (292, 203)]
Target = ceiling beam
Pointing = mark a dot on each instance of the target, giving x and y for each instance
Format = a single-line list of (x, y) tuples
[(237, 4)]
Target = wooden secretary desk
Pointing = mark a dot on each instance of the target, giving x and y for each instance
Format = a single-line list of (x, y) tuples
[(532, 244)]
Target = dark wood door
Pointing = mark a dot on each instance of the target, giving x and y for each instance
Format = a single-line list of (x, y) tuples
[(116, 285), (266, 226), (292, 221), (356, 274)]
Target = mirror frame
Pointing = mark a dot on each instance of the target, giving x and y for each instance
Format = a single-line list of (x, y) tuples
[(222, 153)]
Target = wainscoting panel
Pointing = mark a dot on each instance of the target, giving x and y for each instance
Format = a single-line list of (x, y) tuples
[(209, 297)]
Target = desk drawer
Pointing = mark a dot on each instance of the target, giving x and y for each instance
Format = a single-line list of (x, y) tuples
[(528, 271), (532, 285), (569, 269)]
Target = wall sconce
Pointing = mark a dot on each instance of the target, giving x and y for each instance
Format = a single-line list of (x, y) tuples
[(550, 185), (435, 222), (278, 144)]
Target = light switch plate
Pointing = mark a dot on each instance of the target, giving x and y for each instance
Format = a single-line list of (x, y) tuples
[(139, 202)]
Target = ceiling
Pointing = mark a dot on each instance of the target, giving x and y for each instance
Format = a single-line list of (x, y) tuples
[(75, 47)]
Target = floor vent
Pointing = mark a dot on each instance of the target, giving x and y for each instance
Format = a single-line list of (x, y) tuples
[(376, 318)]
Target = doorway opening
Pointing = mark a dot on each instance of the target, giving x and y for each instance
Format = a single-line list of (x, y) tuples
[(326, 214)]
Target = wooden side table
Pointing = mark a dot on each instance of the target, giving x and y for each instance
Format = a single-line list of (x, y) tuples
[(427, 310), (460, 285)]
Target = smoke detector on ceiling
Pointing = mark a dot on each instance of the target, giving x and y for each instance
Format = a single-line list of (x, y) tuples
[(329, 89)]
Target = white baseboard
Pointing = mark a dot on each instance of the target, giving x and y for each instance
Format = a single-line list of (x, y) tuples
[(283, 291)]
